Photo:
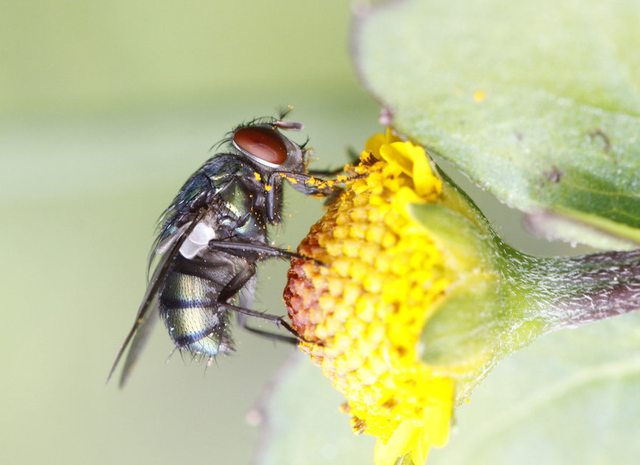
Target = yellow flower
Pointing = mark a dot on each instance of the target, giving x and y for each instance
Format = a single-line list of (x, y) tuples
[(363, 313), (412, 298)]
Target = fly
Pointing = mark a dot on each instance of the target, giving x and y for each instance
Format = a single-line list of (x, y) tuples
[(212, 236)]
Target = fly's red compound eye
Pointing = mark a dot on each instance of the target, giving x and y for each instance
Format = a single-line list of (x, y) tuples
[(263, 143)]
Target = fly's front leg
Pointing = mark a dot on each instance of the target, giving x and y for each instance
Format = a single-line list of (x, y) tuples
[(308, 185), (311, 185)]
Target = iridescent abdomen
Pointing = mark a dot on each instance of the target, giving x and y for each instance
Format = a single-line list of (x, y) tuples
[(189, 307)]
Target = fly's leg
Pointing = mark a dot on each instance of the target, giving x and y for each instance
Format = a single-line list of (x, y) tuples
[(247, 293), (232, 288), (241, 250), (325, 173), (309, 185), (278, 321)]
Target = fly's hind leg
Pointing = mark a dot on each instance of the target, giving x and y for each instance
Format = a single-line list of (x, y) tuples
[(237, 283), (243, 313)]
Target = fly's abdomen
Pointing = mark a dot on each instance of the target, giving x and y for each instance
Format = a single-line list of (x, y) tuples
[(189, 307)]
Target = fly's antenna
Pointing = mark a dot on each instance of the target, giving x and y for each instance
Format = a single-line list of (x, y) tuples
[(289, 125)]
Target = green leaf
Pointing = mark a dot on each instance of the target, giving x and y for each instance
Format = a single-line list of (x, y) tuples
[(303, 424), (569, 398), (537, 102)]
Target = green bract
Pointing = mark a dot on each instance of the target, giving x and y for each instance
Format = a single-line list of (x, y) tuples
[(500, 299)]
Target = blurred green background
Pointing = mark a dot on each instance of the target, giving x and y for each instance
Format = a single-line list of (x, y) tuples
[(105, 109)]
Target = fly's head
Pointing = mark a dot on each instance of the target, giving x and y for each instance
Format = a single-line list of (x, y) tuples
[(263, 142), (274, 157)]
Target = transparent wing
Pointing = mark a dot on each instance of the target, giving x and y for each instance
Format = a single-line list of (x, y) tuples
[(140, 335), (148, 310)]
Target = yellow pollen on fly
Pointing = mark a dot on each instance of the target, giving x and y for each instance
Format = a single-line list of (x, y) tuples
[(364, 308)]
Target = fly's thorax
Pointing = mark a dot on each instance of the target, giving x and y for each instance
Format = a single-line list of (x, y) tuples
[(241, 210)]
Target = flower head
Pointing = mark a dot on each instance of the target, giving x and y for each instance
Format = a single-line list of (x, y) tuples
[(412, 298), (364, 312)]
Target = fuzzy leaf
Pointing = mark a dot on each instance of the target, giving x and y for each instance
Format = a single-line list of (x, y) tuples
[(537, 102), (303, 423), (568, 398)]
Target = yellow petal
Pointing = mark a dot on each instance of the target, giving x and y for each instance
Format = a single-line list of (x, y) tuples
[(397, 445)]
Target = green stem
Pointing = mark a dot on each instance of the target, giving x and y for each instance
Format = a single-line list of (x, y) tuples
[(501, 299), (571, 291)]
